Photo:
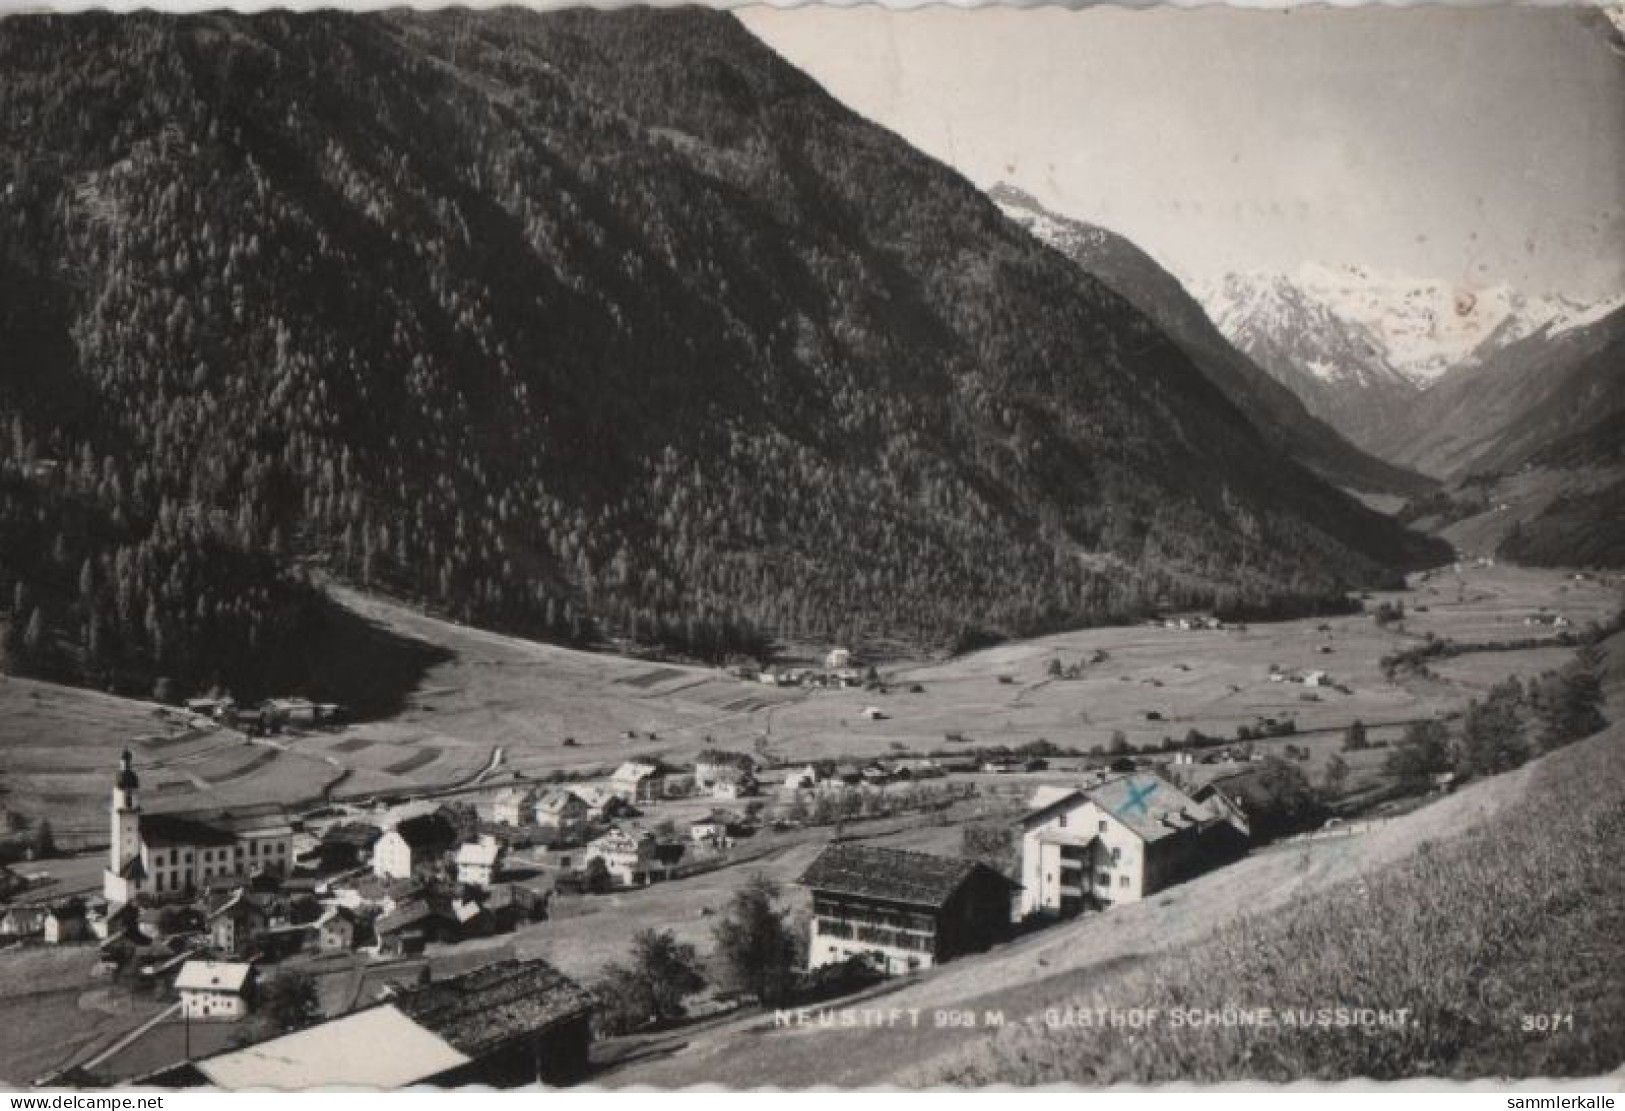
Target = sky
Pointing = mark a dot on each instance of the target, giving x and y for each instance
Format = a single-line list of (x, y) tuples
[(1477, 146)]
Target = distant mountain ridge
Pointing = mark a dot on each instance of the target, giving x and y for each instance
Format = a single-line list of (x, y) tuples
[(1389, 360), (1265, 396)]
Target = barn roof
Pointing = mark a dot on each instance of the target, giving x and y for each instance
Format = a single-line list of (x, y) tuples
[(1150, 806), (480, 1011), (919, 879)]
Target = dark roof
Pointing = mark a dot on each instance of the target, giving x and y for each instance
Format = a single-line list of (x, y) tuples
[(427, 831), (919, 879), (165, 830), (481, 1011), (409, 914)]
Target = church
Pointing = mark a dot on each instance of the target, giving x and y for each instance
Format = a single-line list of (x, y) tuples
[(175, 855)]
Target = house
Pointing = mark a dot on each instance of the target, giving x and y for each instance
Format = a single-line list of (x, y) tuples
[(515, 806), (564, 811), (603, 803), (479, 861), (335, 930), (1118, 841), (217, 991), (472, 918), (238, 923), (414, 843), (838, 658), (630, 855), (20, 922), (413, 924), (639, 781), (716, 829), (1316, 679), (873, 713), (802, 779), (67, 922), (902, 911), (505, 1025), (877, 774), (716, 771), (173, 855), (733, 783)]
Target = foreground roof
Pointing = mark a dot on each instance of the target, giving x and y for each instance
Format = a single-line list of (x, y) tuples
[(481, 1010), (920, 879), (376, 1048)]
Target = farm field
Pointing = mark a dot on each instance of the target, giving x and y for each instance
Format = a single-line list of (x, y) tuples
[(57, 1013), (496, 706)]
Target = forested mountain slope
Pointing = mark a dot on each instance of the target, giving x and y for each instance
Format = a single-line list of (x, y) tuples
[(581, 325)]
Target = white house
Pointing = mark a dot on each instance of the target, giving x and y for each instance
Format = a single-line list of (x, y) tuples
[(479, 861), (628, 854), (565, 811), (515, 806), (639, 781), (1118, 842), (412, 844), (801, 779), (838, 658), (215, 990)]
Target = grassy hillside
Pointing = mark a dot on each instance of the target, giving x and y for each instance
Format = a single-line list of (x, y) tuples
[(1519, 916), (583, 325)]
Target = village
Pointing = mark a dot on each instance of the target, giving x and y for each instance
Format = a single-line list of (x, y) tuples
[(236, 945)]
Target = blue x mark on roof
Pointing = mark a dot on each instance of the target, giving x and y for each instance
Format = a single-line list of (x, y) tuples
[(1137, 797)]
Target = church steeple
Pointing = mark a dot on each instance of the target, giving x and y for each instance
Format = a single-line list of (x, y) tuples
[(126, 815)]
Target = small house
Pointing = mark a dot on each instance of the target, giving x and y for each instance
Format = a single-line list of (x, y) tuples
[(217, 991), (67, 922), (515, 806), (479, 861), (20, 922), (335, 930), (630, 855), (563, 811), (237, 924), (413, 843)]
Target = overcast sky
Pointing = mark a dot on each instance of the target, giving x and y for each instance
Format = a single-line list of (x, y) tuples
[(1477, 146)]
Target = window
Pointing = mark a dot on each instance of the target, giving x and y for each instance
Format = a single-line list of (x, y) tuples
[(1062, 821), (1117, 856), (1105, 878), (1103, 825), (1122, 881)]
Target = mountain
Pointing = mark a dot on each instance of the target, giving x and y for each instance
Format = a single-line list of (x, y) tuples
[(597, 327), (1273, 407), (1363, 348), (1337, 366), (1535, 441), (1493, 416)]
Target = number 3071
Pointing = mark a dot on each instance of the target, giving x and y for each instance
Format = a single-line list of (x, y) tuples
[(1546, 1024)]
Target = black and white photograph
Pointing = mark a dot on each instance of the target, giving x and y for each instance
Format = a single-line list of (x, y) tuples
[(811, 547)]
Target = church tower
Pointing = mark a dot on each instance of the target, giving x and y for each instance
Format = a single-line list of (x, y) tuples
[(126, 811)]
